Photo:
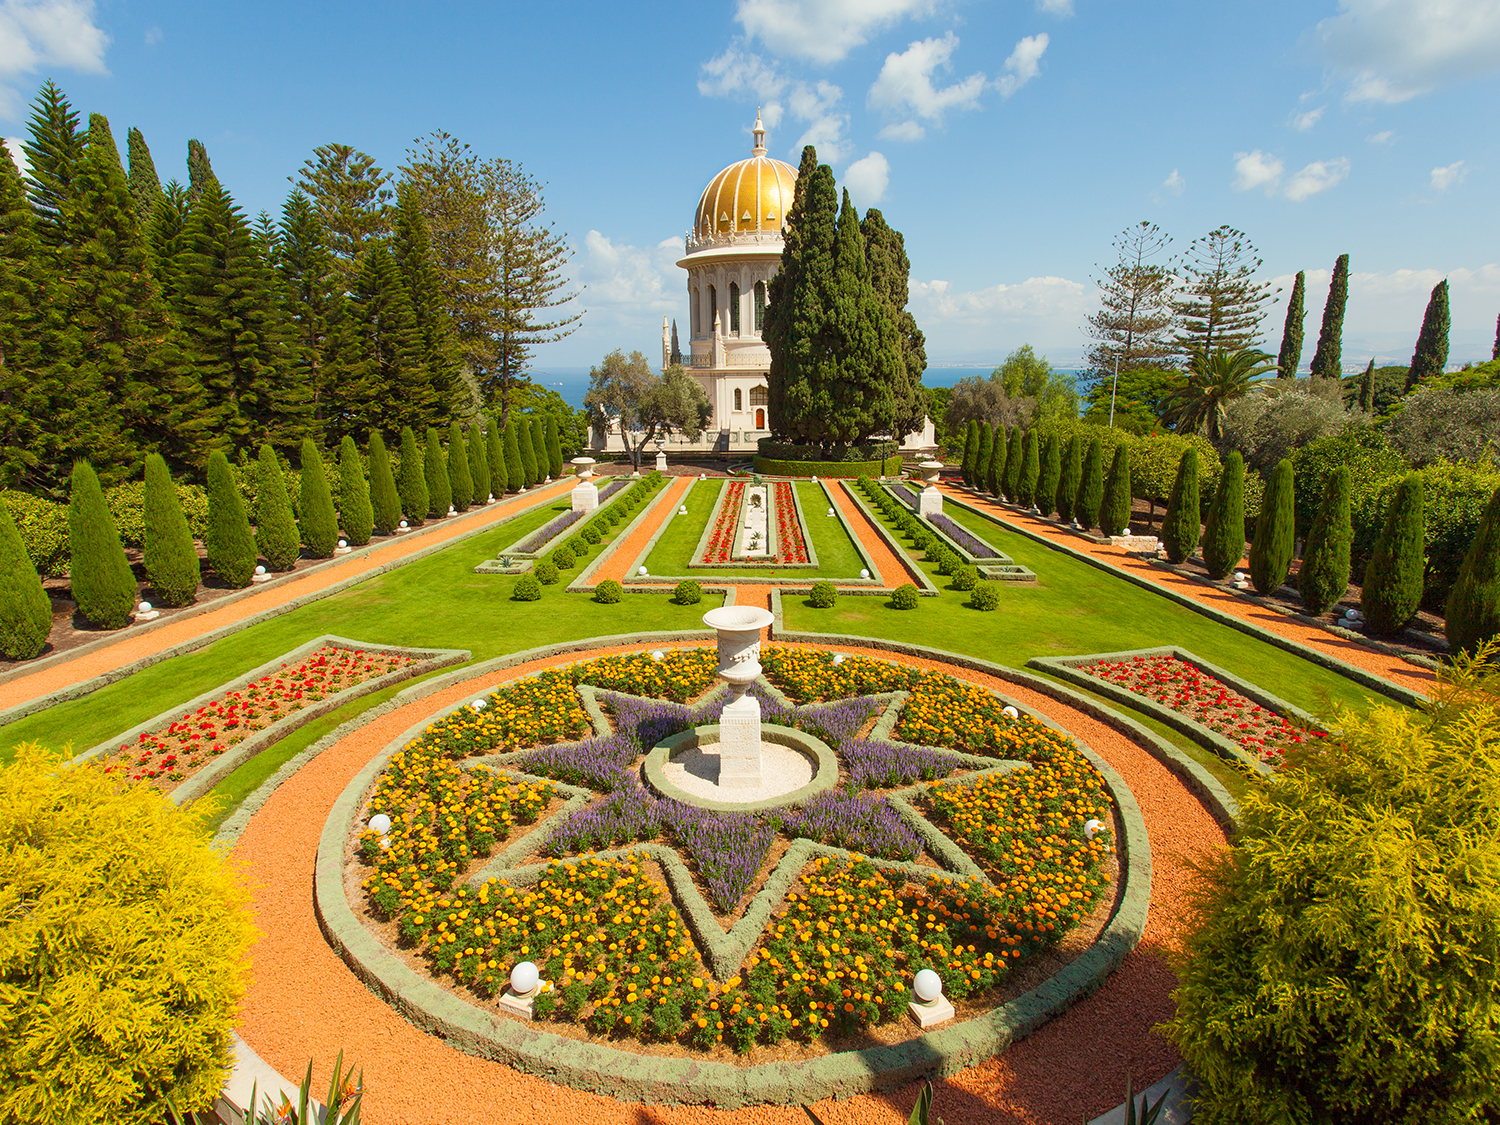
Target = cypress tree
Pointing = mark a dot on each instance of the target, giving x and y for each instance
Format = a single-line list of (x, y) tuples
[(1275, 532), (1290, 356), (1328, 360), (1114, 513), (201, 176), (800, 302), (1431, 355), (320, 526), (1367, 389), (356, 511), (1393, 577), (890, 278), (539, 449), (459, 478), (1014, 457), (229, 546), (1473, 613), (494, 448), (1068, 481), (479, 465), (515, 474), (554, 448), (1324, 576), (276, 535), (171, 558), (984, 454), (25, 608), (435, 468), (1224, 534), (1046, 485), (385, 501), (411, 484), (145, 185), (529, 471), (971, 452), (992, 477), (103, 584), (1030, 470), (1091, 486), (1179, 527)]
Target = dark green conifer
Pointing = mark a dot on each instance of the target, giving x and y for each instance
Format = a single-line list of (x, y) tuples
[(479, 464), (386, 380), (1051, 474), (1224, 533), (1393, 577), (1431, 356), (971, 452), (320, 525), (145, 185), (1090, 486), (1069, 480), (322, 342), (201, 178), (554, 448), (529, 472), (25, 608), (1275, 532), (1290, 357), (1114, 513), (1014, 461), (798, 305), (436, 342), (515, 472), (992, 475), (53, 154), (890, 278), (1179, 527), (984, 454), (103, 584), (1328, 360), (458, 468), (1031, 469), (171, 558), (1367, 389), (494, 447), (385, 501), (228, 545), (1323, 577), (1473, 613), (439, 488), (411, 481), (539, 449), (276, 535), (356, 511)]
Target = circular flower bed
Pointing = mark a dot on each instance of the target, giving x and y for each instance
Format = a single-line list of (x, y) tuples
[(849, 926)]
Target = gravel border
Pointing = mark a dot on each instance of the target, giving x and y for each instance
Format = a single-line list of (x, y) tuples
[(924, 584)]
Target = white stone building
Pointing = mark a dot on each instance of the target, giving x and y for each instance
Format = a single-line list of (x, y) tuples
[(733, 250)]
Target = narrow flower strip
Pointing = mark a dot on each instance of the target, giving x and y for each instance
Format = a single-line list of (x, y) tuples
[(792, 547), (971, 543), (720, 547)]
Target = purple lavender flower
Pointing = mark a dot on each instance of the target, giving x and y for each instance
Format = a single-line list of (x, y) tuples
[(851, 820), (975, 546)]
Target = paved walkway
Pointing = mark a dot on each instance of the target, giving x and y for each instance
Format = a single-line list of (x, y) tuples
[(893, 572), (618, 565), (1392, 668), (131, 645)]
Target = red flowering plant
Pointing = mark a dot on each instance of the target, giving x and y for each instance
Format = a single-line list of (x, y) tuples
[(169, 755), (720, 547), (1194, 693), (793, 547)]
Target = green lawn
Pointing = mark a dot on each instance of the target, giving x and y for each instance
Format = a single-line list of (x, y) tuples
[(837, 557)]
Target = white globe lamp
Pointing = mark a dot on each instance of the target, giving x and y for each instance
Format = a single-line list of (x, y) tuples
[(380, 823), (1012, 712), (928, 986), (145, 607), (1093, 828), (524, 978)]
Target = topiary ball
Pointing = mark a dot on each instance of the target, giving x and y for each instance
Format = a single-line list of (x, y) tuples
[(905, 597), (579, 548), (608, 592), (528, 589), (965, 578), (823, 595), (563, 559), (688, 592), (590, 534), (986, 596), (547, 573)]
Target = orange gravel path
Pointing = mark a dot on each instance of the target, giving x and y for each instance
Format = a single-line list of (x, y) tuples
[(132, 646), (304, 1003), (617, 566), (1392, 668), (893, 572)]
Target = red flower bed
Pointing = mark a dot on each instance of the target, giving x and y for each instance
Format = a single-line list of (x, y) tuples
[(169, 755), (1176, 684), (793, 548), (721, 543)]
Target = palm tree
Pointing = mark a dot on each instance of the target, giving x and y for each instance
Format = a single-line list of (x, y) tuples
[(1214, 381)]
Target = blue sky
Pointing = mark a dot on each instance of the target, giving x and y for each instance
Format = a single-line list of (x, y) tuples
[(1010, 142)]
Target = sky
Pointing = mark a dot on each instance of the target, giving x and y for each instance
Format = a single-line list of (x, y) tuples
[(1010, 142)]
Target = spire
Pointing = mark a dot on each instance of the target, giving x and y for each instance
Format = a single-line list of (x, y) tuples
[(760, 135)]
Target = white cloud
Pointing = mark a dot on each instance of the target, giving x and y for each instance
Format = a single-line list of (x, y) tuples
[(18, 154), (1393, 50), (1036, 298), (905, 81), (1174, 183), (1318, 176), (153, 36), (1445, 177), (38, 33), (1384, 137), (822, 31), (1257, 169), (1302, 122), (739, 74), (903, 131), (627, 281), (867, 179), (817, 106), (1023, 65), (1055, 7)]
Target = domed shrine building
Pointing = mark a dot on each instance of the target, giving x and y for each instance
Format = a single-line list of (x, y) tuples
[(733, 251)]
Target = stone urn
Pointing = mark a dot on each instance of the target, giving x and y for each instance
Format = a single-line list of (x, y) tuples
[(585, 493), (738, 627), (930, 500)]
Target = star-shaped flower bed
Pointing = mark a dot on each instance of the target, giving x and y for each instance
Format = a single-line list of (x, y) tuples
[(955, 840)]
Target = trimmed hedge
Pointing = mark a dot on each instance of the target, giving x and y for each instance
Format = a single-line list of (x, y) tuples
[(356, 512), (320, 525), (459, 478), (1179, 527), (411, 481), (127, 507), (563, 559), (103, 583), (609, 592), (528, 588), (1324, 576), (43, 528), (823, 595), (770, 467), (1392, 588), (986, 596), (1271, 552), (276, 534), (965, 578), (547, 573), (385, 502), (170, 555), (1090, 486), (1224, 533), (1114, 512), (905, 597), (435, 473), (479, 465), (688, 592), (228, 544), (25, 608), (1473, 611)]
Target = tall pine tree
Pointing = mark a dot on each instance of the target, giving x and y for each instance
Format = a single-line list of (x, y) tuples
[(1030, 470), (145, 185), (1431, 356), (869, 369), (53, 152), (317, 351), (388, 383), (1328, 360), (200, 172), (1290, 357), (437, 344)]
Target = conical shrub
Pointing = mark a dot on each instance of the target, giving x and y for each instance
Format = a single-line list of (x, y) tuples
[(515, 472), (435, 467), (228, 545), (1068, 480), (1179, 527), (1014, 456), (459, 478), (1031, 469), (320, 525), (971, 453), (1393, 577), (1047, 483), (385, 501), (171, 558), (984, 456), (554, 448), (494, 448), (1114, 513), (479, 465), (1275, 531), (276, 534), (25, 608), (1473, 613), (357, 514), (1323, 577), (993, 478), (411, 481), (1224, 534), (539, 449), (1090, 486), (529, 471), (103, 583)]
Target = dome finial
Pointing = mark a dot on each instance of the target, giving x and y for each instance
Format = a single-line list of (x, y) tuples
[(760, 135)]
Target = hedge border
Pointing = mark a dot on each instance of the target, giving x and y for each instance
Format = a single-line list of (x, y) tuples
[(1000, 569), (572, 529), (840, 470), (923, 583)]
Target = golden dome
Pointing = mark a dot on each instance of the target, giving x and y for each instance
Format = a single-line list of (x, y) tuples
[(750, 195)]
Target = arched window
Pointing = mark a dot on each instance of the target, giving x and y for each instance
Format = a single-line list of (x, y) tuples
[(697, 314), (760, 306), (760, 396), (739, 399), (713, 308), (734, 308)]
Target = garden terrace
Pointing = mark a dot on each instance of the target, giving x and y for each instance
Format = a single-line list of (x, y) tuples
[(990, 562)]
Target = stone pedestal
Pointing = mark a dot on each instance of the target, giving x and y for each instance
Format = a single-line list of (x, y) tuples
[(661, 462), (739, 745), (930, 502), (585, 496), (931, 1013), (739, 629), (518, 1003)]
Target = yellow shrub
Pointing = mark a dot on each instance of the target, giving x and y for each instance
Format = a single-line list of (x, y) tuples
[(123, 943)]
